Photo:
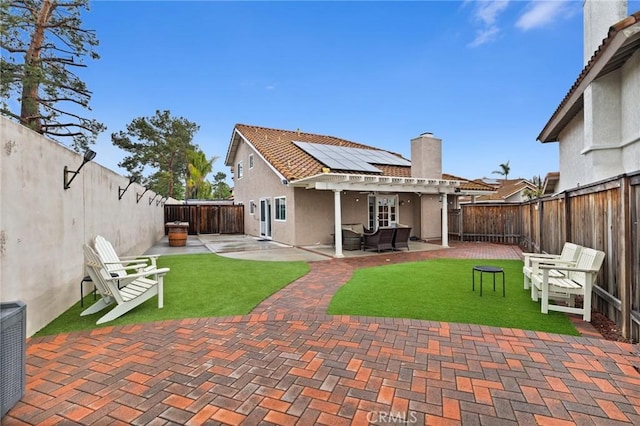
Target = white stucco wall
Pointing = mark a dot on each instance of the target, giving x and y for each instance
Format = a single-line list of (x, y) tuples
[(571, 160), (43, 226), (314, 216), (603, 140), (431, 223), (631, 116), (599, 15), (315, 213), (258, 182), (426, 157)]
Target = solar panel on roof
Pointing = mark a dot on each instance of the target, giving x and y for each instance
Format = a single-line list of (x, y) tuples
[(353, 159)]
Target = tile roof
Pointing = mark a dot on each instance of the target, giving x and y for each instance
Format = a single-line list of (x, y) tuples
[(616, 48), (277, 148), (506, 189), (469, 185)]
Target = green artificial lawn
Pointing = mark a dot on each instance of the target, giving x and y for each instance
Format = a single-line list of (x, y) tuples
[(440, 290), (198, 285), (207, 285)]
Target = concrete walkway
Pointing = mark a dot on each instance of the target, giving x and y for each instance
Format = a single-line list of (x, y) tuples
[(289, 363)]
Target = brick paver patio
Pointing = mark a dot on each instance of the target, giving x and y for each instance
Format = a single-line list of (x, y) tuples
[(289, 363)]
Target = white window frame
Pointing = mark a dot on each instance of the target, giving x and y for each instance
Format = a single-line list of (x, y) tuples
[(277, 203), (251, 164), (239, 170), (393, 218)]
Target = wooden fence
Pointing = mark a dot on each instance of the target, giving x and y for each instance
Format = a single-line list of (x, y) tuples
[(207, 218), (495, 223), (604, 216)]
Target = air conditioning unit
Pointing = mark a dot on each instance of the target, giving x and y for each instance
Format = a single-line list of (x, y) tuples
[(13, 336)]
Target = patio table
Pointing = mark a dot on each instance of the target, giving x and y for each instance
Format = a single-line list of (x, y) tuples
[(493, 270)]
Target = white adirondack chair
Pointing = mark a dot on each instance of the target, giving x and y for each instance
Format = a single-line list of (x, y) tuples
[(567, 257), (126, 290), (578, 280), (117, 264)]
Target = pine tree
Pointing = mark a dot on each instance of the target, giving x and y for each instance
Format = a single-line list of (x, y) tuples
[(162, 144), (43, 42)]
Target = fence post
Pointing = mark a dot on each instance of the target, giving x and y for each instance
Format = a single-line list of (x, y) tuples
[(625, 249), (532, 236), (567, 217), (540, 223)]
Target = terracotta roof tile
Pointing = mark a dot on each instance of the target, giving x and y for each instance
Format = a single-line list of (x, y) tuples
[(618, 62), (277, 147), (507, 188), (469, 185)]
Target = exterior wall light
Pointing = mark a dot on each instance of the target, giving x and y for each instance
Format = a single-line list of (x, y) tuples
[(121, 191), (88, 156), (139, 196)]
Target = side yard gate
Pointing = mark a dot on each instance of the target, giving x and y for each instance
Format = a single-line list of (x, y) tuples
[(604, 216), (207, 218)]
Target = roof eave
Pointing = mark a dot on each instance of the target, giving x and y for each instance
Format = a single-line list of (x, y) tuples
[(236, 139), (357, 182), (233, 147), (477, 192), (574, 102)]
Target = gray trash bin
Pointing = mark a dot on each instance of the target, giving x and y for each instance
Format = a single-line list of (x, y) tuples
[(13, 335)]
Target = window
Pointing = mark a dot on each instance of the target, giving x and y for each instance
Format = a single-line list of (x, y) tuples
[(383, 211), (281, 208), (239, 170), (252, 207), (251, 161), (372, 212)]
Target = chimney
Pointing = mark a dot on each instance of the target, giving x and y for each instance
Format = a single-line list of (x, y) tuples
[(599, 15), (426, 157)]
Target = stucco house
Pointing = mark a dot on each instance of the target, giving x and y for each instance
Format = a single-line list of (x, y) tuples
[(299, 188), (597, 124), (506, 191)]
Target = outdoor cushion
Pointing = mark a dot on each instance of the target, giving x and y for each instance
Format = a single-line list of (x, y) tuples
[(358, 228)]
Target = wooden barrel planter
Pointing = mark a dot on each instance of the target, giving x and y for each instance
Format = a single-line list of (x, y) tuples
[(177, 233)]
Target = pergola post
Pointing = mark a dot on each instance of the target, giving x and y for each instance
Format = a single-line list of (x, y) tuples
[(445, 223), (337, 213)]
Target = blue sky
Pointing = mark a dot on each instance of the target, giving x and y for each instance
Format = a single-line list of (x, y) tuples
[(484, 76)]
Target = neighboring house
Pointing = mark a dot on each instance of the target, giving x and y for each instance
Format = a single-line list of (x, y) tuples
[(506, 191), (597, 124), (299, 188), (550, 185)]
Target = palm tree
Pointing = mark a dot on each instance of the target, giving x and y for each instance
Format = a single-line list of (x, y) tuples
[(536, 192), (198, 168), (504, 170)]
